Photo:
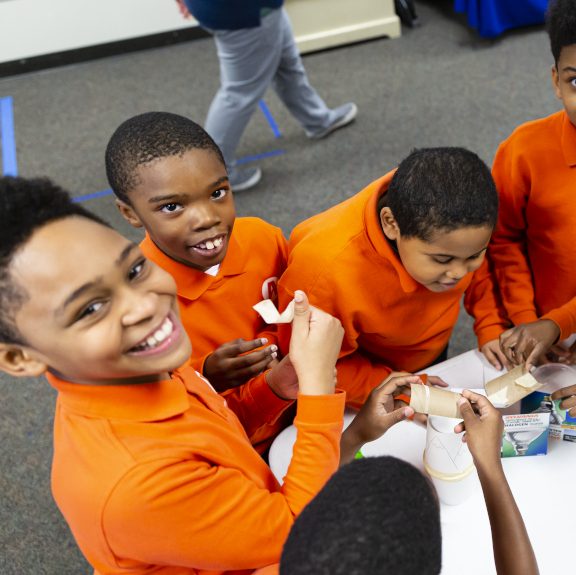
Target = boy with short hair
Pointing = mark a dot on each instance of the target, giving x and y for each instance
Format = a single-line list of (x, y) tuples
[(170, 178), (355, 527), (393, 262), (535, 173), (151, 470)]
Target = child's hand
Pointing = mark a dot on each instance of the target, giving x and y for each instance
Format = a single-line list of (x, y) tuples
[(528, 342), (232, 364), (568, 394), (483, 424), (314, 346), (495, 355), (283, 380), (378, 414)]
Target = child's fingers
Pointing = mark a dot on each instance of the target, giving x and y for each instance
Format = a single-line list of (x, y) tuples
[(436, 381), (240, 346), (254, 357), (238, 370)]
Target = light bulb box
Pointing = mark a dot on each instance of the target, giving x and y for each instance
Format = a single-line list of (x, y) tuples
[(525, 434), (562, 426)]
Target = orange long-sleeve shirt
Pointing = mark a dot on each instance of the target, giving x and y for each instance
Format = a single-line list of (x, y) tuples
[(161, 477), (533, 245), (218, 309), (343, 261)]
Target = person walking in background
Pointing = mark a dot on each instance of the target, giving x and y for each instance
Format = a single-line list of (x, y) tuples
[(256, 49)]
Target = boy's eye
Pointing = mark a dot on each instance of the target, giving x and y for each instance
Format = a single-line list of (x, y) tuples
[(573, 82), (90, 309), (170, 208), (219, 194), (442, 260), (137, 269)]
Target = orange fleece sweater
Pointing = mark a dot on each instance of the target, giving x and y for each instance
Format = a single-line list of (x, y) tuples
[(161, 477), (343, 261), (533, 245)]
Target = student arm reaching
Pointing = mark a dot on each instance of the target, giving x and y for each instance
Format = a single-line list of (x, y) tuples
[(513, 553)]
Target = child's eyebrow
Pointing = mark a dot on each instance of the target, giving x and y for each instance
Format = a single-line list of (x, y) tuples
[(453, 256), (78, 292), (173, 197), (569, 69)]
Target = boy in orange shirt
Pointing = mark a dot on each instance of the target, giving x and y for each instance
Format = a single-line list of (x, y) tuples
[(170, 178), (393, 262), (532, 245), (151, 470)]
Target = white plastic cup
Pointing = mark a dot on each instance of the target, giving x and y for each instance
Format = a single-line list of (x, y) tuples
[(448, 461)]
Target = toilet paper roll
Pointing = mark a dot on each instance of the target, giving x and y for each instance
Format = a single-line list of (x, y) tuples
[(434, 401)]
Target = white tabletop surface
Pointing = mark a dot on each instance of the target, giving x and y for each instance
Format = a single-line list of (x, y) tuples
[(544, 486)]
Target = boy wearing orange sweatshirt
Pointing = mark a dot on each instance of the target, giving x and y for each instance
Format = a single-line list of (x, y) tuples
[(534, 262), (394, 261)]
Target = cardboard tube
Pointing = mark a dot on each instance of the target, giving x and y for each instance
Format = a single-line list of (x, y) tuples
[(434, 401), (511, 387)]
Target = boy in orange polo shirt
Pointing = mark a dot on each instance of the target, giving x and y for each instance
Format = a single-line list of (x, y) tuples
[(151, 470), (170, 178), (532, 245), (393, 262)]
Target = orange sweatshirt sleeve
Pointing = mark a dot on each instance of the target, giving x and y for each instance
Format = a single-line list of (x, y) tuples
[(210, 517), (508, 245), (482, 301), (257, 407), (564, 317)]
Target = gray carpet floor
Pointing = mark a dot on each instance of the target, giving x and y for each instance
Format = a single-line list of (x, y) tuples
[(439, 84)]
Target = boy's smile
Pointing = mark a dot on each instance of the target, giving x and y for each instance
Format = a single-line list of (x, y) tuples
[(185, 204), (97, 311)]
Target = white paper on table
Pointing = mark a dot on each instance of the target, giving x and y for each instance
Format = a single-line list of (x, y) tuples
[(270, 314)]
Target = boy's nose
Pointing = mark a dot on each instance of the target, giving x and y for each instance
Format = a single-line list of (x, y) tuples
[(457, 271), (140, 306), (203, 218)]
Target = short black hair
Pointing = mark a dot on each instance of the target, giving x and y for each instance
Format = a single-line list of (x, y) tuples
[(148, 137), (26, 205), (441, 189), (561, 25), (373, 513)]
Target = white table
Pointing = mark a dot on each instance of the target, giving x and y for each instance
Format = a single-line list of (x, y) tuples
[(544, 486)]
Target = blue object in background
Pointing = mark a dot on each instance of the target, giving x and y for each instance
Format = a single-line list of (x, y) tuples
[(492, 17)]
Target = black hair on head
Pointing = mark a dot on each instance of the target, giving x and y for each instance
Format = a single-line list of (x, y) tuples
[(26, 205), (148, 137), (441, 189), (374, 516), (561, 25)]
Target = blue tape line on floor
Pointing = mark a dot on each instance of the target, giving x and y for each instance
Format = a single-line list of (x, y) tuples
[(271, 121), (92, 196), (255, 158), (9, 163)]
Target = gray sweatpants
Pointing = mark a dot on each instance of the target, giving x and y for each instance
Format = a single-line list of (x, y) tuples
[(250, 60)]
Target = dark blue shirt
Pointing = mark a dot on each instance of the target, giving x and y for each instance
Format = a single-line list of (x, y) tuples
[(229, 14)]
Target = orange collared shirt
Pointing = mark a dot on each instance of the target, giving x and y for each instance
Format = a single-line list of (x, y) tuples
[(218, 309), (161, 477), (342, 259), (533, 245)]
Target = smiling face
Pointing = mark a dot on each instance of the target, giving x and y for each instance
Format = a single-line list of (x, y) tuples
[(111, 319), (564, 80), (440, 263), (185, 204)]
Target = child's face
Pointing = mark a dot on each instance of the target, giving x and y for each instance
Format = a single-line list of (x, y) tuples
[(185, 204), (564, 80), (439, 264), (97, 311)]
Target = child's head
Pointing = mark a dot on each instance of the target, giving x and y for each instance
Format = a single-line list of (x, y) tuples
[(440, 210), (76, 297), (170, 177), (374, 516), (561, 25)]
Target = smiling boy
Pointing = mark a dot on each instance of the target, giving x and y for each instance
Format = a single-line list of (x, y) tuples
[(170, 178), (394, 261), (151, 470)]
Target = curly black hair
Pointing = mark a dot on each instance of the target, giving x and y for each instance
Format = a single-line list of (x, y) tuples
[(561, 25), (26, 205), (148, 137)]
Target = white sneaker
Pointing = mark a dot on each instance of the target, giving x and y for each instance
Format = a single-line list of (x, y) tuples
[(344, 115)]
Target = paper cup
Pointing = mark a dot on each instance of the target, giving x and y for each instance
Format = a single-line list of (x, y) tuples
[(448, 461)]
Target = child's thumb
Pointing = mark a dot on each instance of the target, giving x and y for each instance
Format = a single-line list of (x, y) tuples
[(399, 415), (466, 410), (301, 305)]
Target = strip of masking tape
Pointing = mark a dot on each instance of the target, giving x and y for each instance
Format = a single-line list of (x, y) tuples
[(270, 314), (448, 476), (511, 387)]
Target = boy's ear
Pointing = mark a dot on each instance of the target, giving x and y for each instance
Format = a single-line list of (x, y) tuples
[(19, 362), (389, 224), (128, 213), (556, 81)]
